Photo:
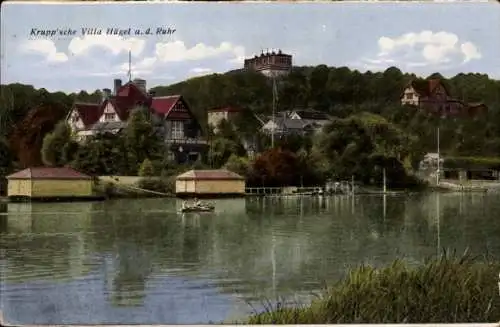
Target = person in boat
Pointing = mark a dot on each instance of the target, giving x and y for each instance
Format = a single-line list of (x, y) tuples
[(197, 202)]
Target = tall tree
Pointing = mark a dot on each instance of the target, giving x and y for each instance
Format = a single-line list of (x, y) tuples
[(56, 148), (142, 140)]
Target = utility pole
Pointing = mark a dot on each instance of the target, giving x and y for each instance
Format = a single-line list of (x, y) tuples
[(384, 181), (274, 110), (438, 171)]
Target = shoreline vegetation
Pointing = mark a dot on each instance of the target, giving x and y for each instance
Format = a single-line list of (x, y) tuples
[(448, 289), (147, 187), (161, 187)]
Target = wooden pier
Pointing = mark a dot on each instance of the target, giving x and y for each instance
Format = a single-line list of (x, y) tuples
[(283, 191)]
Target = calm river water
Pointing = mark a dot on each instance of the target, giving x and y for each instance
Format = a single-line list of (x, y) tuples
[(138, 261)]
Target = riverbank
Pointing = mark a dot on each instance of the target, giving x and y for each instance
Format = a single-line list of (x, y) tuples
[(120, 191), (445, 290)]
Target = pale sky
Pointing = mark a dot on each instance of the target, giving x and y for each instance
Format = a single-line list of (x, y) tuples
[(215, 37)]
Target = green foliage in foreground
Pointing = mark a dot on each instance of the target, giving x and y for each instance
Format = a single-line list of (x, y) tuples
[(446, 290)]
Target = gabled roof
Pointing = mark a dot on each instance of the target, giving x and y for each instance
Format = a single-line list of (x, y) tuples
[(129, 96), (163, 105), (89, 112), (124, 105), (212, 174), (48, 173), (130, 89), (311, 114), (426, 87), (287, 123)]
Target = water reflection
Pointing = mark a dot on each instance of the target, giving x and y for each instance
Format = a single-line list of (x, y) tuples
[(139, 261)]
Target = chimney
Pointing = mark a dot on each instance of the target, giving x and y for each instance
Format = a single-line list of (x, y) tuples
[(117, 84), (141, 84), (106, 94)]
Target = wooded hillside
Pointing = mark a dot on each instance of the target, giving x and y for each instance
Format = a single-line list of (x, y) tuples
[(27, 114)]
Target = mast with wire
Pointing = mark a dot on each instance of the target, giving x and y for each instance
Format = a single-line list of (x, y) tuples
[(274, 110), (129, 65)]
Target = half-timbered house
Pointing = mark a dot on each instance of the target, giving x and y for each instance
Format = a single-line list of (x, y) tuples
[(433, 95), (180, 129)]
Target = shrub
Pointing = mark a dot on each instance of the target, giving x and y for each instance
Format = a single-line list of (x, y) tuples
[(238, 165), (445, 290), (147, 169), (108, 189)]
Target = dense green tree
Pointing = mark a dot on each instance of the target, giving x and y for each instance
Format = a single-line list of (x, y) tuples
[(147, 169), (221, 149), (104, 154), (141, 139), (6, 158), (275, 168), (239, 165), (363, 145), (57, 149)]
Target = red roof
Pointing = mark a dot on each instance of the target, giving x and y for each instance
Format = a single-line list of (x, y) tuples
[(433, 84), (426, 87), (89, 112), (48, 173), (130, 89), (214, 174), (129, 96), (163, 105)]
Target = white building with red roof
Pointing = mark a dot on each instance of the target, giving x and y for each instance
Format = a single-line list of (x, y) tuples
[(181, 130)]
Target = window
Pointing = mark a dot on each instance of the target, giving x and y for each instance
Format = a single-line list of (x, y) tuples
[(74, 119), (179, 106), (109, 116), (409, 96), (177, 129)]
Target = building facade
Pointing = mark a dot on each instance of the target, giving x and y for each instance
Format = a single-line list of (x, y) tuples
[(217, 115), (270, 63), (49, 182), (433, 96), (179, 127), (301, 122), (209, 183)]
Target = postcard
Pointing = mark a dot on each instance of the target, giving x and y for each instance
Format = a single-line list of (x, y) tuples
[(260, 162)]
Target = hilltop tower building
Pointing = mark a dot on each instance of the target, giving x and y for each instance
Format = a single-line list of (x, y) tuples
[(274, 63)]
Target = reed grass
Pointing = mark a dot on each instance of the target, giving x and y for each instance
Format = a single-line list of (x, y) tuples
[(448, 289)]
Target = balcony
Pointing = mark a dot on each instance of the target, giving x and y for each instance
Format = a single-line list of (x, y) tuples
[(186, 140)]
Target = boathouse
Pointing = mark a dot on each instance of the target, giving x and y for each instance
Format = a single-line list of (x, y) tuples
[(49, 183), (209, 183)]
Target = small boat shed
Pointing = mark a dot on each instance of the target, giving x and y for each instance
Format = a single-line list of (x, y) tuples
[(210, 183), (49, 183)]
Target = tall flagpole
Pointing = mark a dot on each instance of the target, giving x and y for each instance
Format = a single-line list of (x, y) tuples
[(274, 109), (438, 171), (129, 65)]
